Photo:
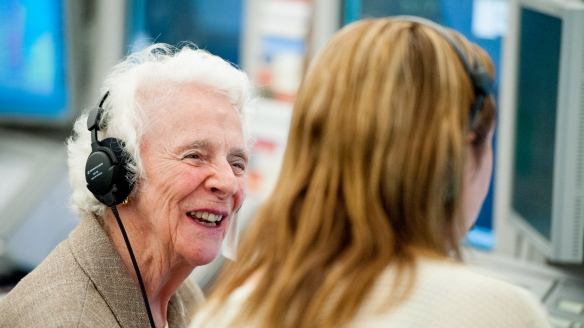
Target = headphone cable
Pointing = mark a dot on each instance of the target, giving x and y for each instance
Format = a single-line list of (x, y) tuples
[(115, 211)]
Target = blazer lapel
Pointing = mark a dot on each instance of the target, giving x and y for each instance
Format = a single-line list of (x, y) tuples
[(97, 257)]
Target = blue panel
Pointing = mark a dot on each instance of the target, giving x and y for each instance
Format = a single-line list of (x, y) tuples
[(32, 60), (275, 45), (214, 25), (458, 15), (480, 238), (352, 11)]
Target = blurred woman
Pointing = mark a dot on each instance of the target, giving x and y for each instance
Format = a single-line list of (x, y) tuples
[(388, 162)]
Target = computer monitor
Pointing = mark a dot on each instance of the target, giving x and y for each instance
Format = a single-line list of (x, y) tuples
[(213, 25), (33, 62), (541, 131)]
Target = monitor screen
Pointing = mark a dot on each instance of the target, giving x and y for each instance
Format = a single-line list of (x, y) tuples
[(213, 25), (32, 60), (537, 96)]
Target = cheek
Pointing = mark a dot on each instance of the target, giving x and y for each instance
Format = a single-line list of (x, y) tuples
[(477, 182), (190, 178), (239, 197), (488, 172)]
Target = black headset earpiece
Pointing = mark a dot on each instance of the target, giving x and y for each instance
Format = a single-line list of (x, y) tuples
[(480, 78), (483, 86), (105, 170)]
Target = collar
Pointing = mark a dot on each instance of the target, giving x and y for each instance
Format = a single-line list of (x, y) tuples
[(100, 261)]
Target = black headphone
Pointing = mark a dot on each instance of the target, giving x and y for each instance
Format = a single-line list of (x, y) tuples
[(105, 170), (105, 173), (481, 80)]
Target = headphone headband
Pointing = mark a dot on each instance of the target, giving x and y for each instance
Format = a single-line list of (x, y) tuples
[(93, 120), (479, 77)]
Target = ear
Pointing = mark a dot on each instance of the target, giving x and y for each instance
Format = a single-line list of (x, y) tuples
[(470, 137)]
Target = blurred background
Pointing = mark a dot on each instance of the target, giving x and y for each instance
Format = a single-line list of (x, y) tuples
[(54, 55)]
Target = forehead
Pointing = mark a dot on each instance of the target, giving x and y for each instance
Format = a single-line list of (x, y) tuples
[(190, 113)]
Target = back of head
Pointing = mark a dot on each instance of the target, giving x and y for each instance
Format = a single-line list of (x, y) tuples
[(372, 173), (385, 110)]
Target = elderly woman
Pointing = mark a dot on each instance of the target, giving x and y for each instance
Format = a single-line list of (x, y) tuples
[(388, 161), (166, 152)]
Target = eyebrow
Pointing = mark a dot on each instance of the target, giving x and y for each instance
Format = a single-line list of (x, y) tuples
[(199, 144)]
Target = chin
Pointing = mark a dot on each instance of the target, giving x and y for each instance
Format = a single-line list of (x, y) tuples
[(204, 255), (200, 245)]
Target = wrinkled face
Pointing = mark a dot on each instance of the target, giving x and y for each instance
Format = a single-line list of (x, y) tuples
[(477, 177), (194, 159)]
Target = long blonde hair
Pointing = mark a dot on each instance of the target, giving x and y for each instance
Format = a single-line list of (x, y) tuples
[(372, 174)]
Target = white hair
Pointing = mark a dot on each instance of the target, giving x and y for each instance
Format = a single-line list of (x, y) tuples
[(138, 85)]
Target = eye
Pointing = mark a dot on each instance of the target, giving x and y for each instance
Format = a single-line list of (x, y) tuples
[(194, 156), (239, 166)]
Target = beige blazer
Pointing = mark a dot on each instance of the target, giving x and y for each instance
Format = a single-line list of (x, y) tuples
[(83, 283)]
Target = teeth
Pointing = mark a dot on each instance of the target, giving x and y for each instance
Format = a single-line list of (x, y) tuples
[(208, 224), (207, 216)]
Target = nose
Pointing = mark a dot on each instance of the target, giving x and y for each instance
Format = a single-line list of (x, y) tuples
[(222, 181)]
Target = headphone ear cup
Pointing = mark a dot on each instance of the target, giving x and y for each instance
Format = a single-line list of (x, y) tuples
[(120, 179), (476, 106), (105, 172), (483, 87), (99, 170)]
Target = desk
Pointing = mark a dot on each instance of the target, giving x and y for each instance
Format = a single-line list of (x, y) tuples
[(560, 289)]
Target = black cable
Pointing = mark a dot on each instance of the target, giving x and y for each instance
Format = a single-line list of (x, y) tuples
[(115, 211)]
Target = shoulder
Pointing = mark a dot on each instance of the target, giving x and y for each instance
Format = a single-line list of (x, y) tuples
[(450, 294), (476, 295), (55, 294), (224, 314)]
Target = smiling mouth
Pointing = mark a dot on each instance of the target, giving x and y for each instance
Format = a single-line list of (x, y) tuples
[(206, 218)]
